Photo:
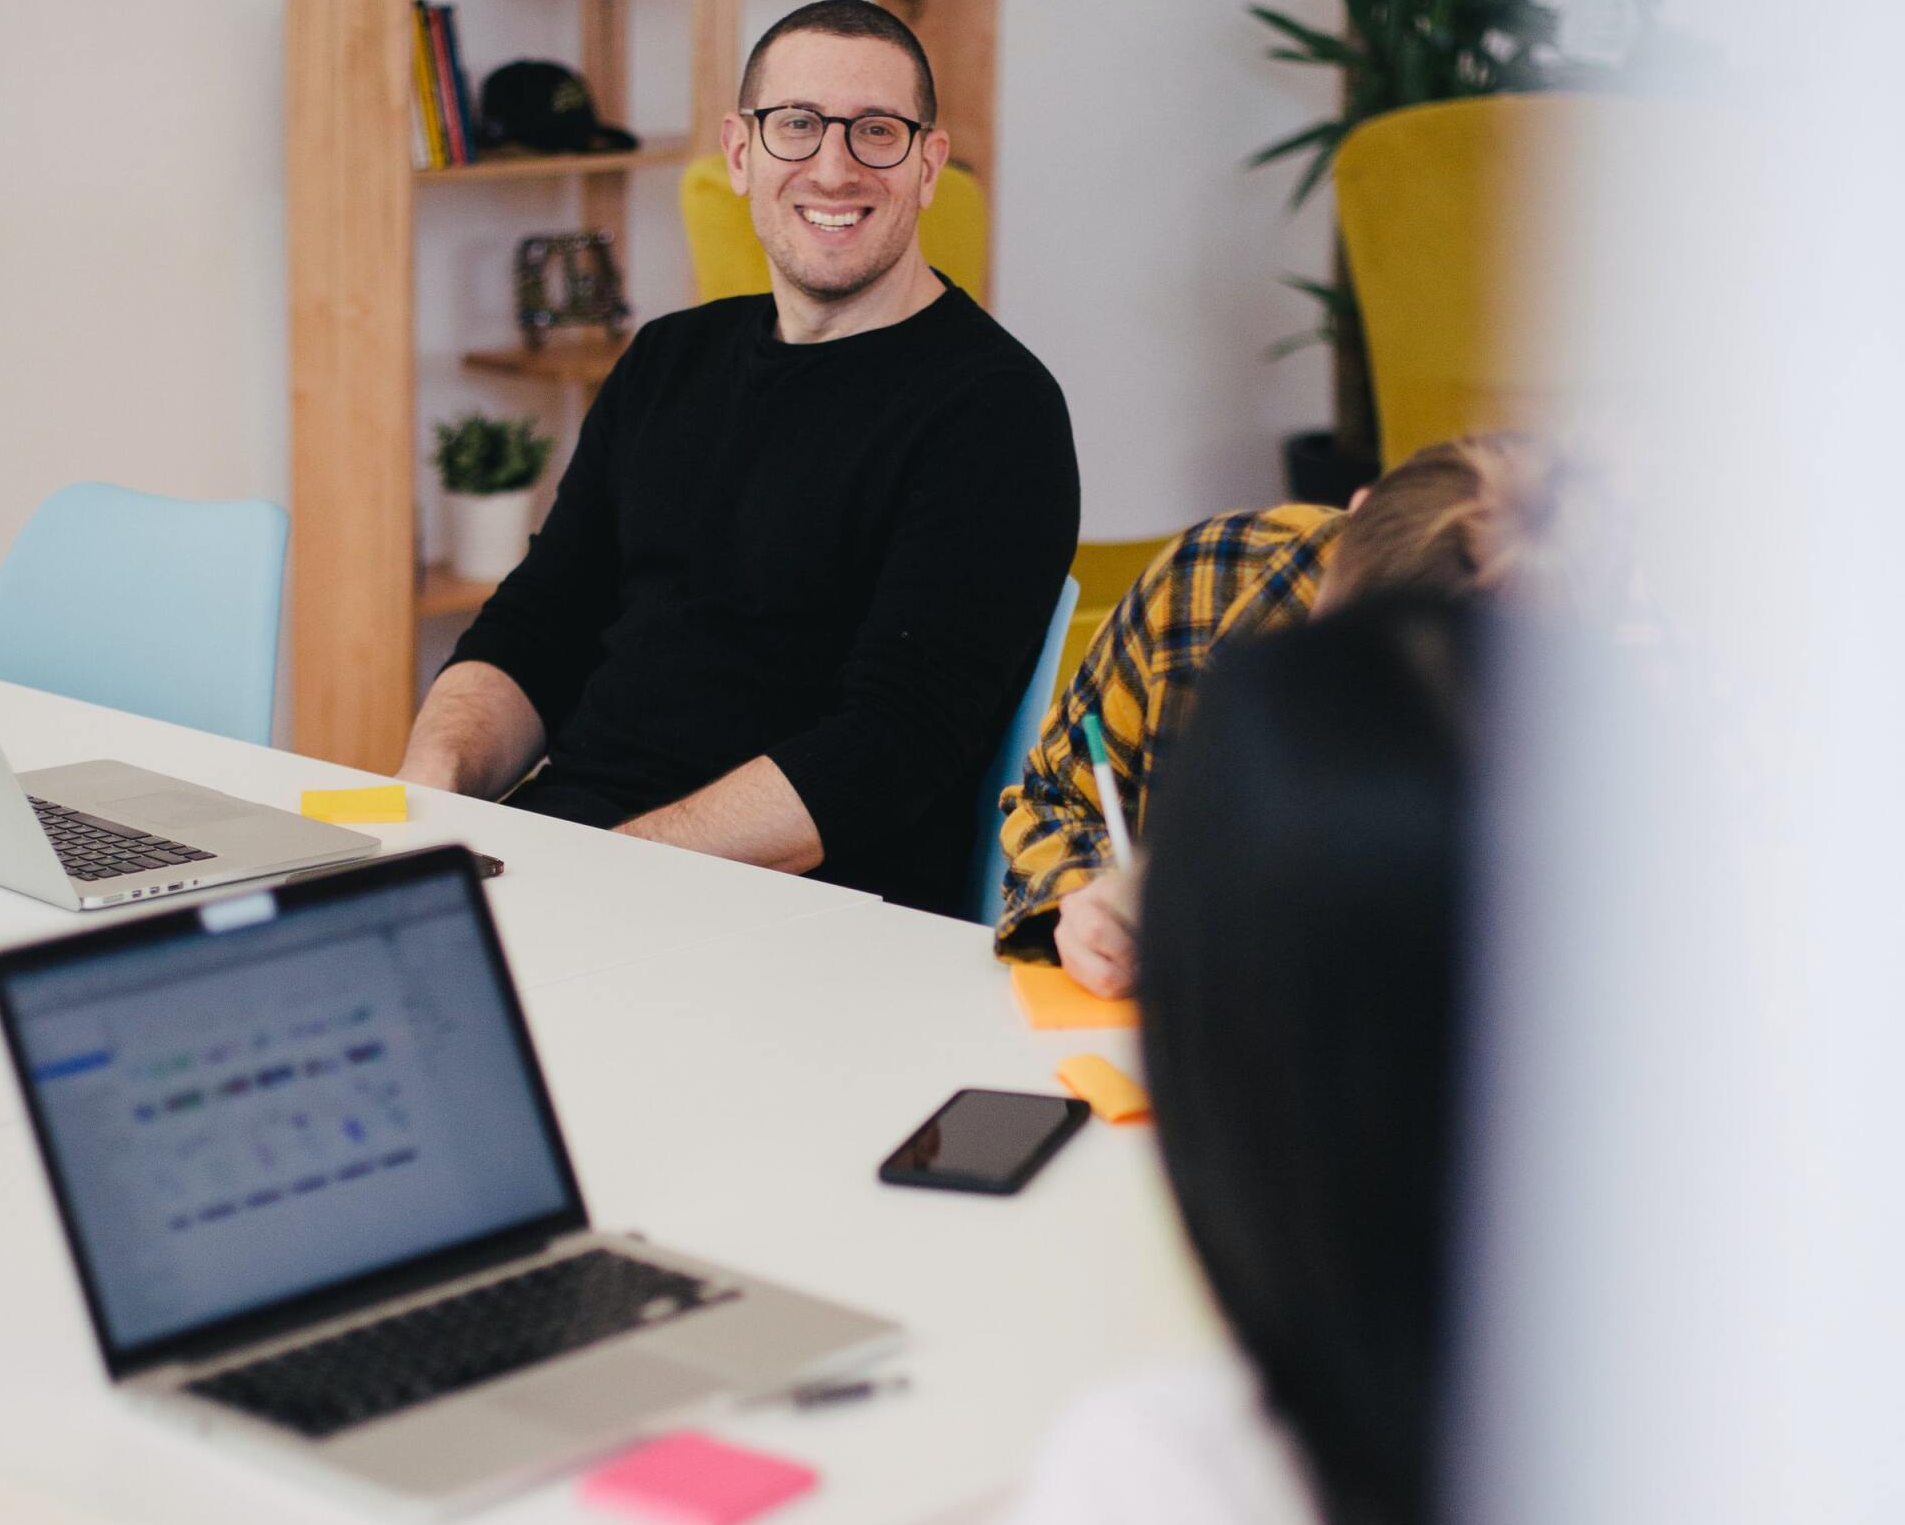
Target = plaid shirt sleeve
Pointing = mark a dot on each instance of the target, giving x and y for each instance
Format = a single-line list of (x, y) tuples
[(1238, 572)]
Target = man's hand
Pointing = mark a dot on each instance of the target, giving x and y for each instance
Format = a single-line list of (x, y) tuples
[(1096, 935), (477, 733), (752, 815)]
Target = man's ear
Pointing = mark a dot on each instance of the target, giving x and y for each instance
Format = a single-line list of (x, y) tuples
[(734, 141), (934, 147), (1358, 498)]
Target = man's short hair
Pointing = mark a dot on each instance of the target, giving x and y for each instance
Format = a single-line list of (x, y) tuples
[(845, 18)]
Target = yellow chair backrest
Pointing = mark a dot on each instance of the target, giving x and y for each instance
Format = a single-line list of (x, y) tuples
[(729, 261), (1105, 570), (1456, 222)]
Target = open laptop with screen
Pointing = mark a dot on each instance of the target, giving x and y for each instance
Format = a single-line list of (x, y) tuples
[(93, 834), (319, 1202)]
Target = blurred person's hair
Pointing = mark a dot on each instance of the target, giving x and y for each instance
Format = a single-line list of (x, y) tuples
[(1299, 978), (845, 18), (1492, 513)]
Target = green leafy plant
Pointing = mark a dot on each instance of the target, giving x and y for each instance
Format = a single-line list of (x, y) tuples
[(1396, 53), (486, 455)]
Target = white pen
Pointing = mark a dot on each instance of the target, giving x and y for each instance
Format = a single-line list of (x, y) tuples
[(1108, 794)]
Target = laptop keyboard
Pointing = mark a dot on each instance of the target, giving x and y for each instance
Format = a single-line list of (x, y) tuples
[(90, 848), (377, 1369)]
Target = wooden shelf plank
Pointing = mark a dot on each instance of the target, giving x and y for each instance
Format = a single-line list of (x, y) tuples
[(440, 591), (532, 166), (580, 361)]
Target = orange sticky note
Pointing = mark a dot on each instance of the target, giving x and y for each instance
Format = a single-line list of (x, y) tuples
[(1111, 1093), (1052, 998), (378, 805)]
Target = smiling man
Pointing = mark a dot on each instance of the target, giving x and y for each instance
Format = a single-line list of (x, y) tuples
[(798, 570), (840, 228)]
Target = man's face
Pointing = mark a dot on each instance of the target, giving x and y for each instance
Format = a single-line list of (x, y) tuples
[(830, 225)]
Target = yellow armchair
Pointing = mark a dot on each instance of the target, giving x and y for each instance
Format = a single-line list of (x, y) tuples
[(1455, 223), (729, 261)]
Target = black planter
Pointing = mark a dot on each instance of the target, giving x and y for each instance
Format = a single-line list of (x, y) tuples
[(1317, 472)]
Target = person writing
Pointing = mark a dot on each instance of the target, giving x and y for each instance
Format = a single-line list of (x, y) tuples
[(1484, 512), (773, 614)]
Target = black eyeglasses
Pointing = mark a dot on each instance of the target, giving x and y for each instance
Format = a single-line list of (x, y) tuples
[(794, 133)]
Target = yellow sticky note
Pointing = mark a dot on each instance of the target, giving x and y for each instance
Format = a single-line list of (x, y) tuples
[(1052, 998), (347, 807), (1111, 1093)]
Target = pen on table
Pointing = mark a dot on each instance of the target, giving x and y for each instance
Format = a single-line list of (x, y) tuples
[(820, 1394), (1108, 793)]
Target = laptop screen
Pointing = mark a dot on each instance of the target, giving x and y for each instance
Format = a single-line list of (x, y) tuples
[(281, 1093)]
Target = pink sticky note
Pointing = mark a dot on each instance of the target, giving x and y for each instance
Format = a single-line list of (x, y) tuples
[(688, 1478)]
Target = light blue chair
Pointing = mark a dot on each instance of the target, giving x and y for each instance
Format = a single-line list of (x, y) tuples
[(160, 606), (985, 888)]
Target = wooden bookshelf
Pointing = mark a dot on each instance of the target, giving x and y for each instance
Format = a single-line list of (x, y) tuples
[(440, 591), (356, 592), (581, 361), (673, 150)]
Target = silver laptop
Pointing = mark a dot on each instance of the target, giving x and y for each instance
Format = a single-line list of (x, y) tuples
[(95, 834), (320, 1206)]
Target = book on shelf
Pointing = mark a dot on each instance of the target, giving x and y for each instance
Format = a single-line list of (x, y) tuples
[(424, 69), (459, 83), (445, 81), (442, 106), (419, 139)]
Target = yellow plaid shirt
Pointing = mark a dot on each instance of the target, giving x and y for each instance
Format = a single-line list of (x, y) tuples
[(1233, 575)]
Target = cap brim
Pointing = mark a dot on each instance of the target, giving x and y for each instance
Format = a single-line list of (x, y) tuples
[(611, 140)]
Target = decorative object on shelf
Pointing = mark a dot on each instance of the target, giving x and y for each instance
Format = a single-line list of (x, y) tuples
[(545, 108), (591, 286), (489, 469)]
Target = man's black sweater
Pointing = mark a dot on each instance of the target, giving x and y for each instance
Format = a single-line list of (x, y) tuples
[(841, 556)]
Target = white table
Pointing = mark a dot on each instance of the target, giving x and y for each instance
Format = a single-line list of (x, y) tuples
[(731, 1059)]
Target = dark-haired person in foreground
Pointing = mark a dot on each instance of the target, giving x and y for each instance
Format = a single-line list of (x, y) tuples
[(1300, 990), (797, 573)]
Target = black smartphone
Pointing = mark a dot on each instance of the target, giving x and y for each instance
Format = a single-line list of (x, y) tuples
[(991, 1141)]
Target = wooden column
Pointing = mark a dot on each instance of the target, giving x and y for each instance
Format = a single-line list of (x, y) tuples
[(605, 68), (961, 38), (347, 89), (717, 70)]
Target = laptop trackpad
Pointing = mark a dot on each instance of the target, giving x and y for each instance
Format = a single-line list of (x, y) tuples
[(178, 807), (598, 1393), (521, 1426)]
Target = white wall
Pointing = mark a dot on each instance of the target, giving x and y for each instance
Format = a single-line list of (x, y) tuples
[(142, 285), (1142, 264)]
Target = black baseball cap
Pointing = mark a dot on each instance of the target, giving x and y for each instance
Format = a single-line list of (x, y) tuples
[(542, 105)]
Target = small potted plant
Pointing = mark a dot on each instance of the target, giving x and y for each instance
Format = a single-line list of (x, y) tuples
[(489, 468)]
